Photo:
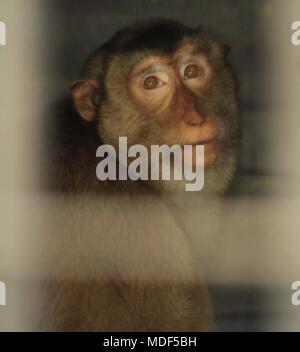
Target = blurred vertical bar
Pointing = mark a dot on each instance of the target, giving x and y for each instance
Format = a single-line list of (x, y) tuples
[(19, 103), (285, 85)]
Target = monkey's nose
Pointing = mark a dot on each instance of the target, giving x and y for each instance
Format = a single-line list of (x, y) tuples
[(194, 118)]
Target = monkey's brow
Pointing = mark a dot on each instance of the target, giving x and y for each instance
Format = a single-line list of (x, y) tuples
[(154, 67), (175, 61)]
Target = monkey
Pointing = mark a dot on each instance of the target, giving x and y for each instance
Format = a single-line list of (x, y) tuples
[(121, 261)]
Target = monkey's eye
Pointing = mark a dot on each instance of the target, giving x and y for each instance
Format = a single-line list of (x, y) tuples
[(152, 82), (191, 71)]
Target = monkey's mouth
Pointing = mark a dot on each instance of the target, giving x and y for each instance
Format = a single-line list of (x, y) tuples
[(199, 141), (204, 141), (210, 153)]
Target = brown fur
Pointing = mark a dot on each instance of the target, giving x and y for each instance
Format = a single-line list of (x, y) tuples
[(137, 270)]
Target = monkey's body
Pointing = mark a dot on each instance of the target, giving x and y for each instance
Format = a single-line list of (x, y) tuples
[(125, 297), (137, 270), (135, 274)]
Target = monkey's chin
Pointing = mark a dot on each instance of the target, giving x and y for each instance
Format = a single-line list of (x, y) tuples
[(210, 155)]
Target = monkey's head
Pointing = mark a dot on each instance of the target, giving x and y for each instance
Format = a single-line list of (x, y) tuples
[(162, 82)]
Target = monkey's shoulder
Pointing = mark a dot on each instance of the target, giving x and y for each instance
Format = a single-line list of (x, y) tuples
[(66, 128), (69, 146), (69, 153)]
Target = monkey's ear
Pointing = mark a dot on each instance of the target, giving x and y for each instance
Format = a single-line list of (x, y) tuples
[(86, 94)]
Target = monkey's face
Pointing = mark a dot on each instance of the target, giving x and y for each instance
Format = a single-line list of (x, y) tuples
[(180, 98), (163, 83), (173, 92)]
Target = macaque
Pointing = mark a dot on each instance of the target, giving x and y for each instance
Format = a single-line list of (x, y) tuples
[(118, 258)]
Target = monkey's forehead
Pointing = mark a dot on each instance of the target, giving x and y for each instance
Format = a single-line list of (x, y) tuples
[(163, 35), (139, 61), (165, 39), (183, 54), (185, 46)]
